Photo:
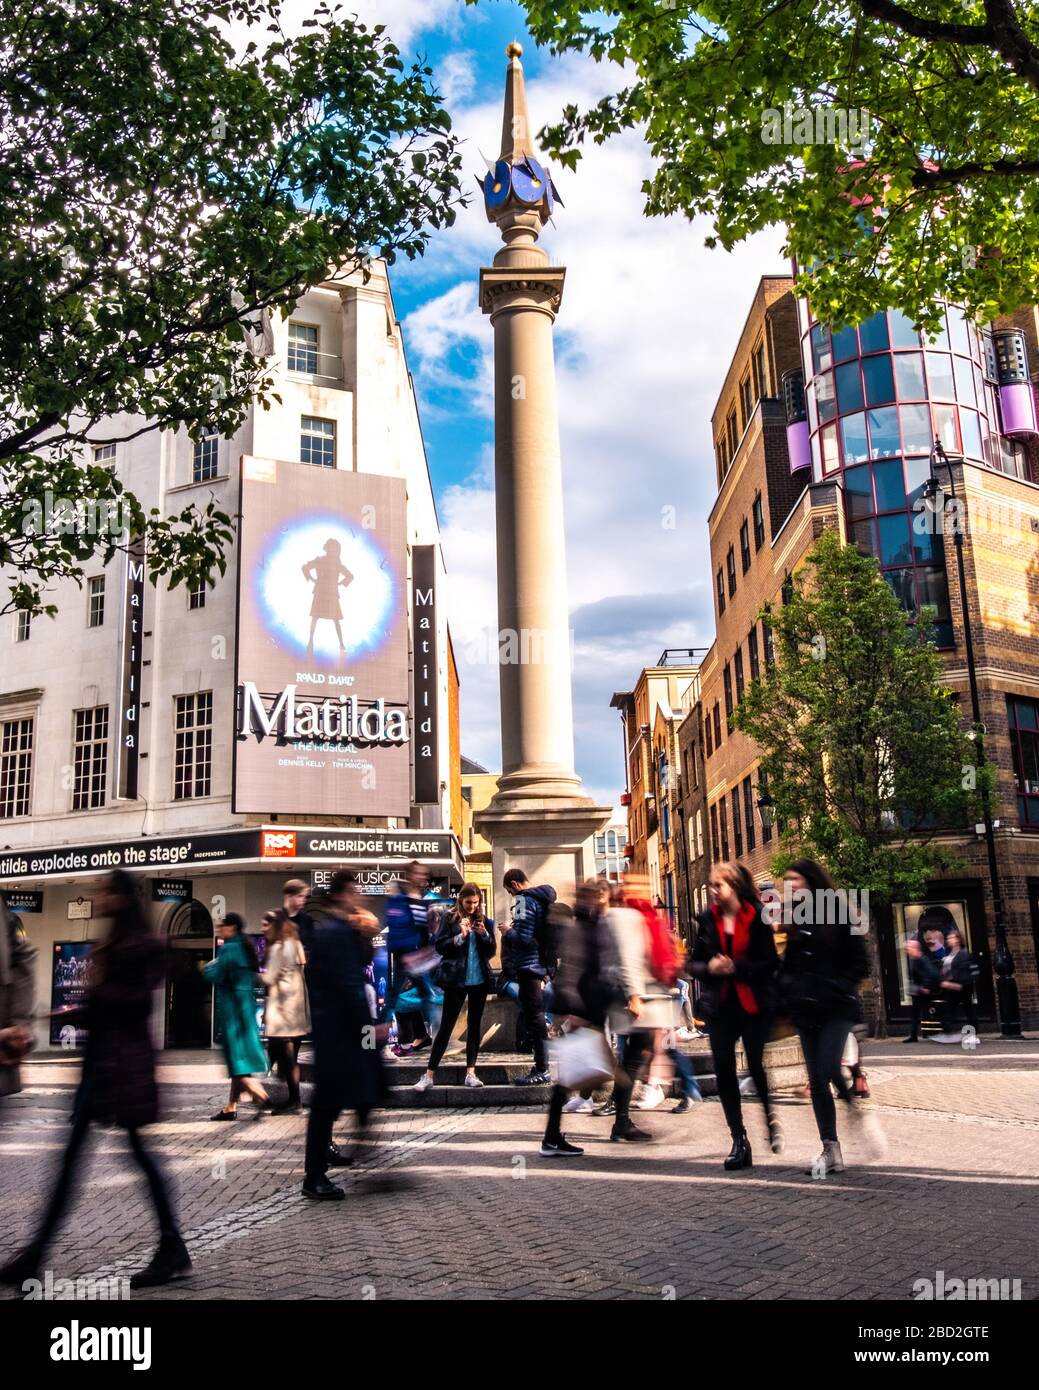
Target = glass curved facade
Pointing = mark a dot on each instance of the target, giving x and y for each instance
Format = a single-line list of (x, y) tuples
[(877, 397)]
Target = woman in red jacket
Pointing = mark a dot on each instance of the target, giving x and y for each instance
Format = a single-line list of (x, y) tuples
[(734, 957)]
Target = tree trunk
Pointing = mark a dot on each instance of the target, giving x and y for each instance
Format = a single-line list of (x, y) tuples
[(879, 1029)]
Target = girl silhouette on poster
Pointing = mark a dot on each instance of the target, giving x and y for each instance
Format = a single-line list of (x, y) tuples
[(327, 572)]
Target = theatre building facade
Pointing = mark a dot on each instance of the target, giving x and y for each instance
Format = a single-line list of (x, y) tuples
[(815, 428), (299, 715)]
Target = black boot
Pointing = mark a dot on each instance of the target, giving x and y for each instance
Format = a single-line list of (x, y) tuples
[(739, 1155), (338, 1159), (321, 1190), (171, 1261), (24, 1266)]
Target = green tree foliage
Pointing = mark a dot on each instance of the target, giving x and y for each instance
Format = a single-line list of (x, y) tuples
[(164, 189), (863, 747), (947, 187)]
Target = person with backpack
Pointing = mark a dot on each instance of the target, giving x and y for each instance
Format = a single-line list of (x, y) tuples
[(530, 955), (734, 957)]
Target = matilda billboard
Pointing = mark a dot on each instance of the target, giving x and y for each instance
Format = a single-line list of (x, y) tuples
[(322, 663)]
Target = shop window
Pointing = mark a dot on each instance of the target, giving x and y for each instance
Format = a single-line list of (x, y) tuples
[(1023, 719)]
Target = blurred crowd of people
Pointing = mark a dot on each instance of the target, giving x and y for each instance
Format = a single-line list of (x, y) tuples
[(604, 993)]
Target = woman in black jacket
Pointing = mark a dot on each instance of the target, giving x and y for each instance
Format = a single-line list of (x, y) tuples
[(734, 958), (825, 960), (465, 940), (957, 987)]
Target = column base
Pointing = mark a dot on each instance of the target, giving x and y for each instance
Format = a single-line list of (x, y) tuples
[(551, 838)]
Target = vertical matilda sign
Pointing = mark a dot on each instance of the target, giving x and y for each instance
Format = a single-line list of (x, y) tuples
[(427, 684), (322, 660), (130, 702)]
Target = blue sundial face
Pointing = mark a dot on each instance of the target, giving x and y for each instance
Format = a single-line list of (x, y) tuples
[(496, 186), (529, 182)]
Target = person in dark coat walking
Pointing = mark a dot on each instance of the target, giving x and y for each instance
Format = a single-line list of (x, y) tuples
[(824, 963), (234, 974), (466, 943), (348, 1072), (926, 951), (117, 1086), (734, 958)]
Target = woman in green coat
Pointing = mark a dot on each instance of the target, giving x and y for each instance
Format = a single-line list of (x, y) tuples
[(233, 975)]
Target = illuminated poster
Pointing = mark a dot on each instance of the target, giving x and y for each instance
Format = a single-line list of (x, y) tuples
[(322, 669), (68, 991)]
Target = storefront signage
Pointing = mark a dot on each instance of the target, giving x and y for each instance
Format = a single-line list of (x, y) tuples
[(426, 679), (322, 660), (81, 910), (172, 890), (19, 900), (254, 844), (130, 703)]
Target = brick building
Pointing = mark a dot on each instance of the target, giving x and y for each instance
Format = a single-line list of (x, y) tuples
[(815, 429)]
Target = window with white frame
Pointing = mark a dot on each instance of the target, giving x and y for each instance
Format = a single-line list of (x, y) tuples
[(90, 758), (104, 455), (96, 601), (16, 743), (303, 347), (197, 594), (22, 625), (193, 749), (206, 457), (317, 441)]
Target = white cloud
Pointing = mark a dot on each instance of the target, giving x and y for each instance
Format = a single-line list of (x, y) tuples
[(648, 323)]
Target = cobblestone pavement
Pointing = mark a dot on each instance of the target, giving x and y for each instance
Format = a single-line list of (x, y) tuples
[(457, 1204)]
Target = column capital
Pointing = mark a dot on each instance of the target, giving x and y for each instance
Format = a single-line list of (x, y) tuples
[(521, 287)]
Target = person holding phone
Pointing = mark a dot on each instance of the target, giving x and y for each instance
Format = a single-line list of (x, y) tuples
[(465, 941)]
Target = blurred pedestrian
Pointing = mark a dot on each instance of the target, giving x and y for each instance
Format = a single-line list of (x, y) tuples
[(348, 1071), (530, 958), (925, 951), (643, 1004), (582, 998), (824, 963), (408, 941), (957, 989), (466, 943), (234, 975), (17, 999), (287, 1014), (294, 897), (117, 1086), (734, 957)]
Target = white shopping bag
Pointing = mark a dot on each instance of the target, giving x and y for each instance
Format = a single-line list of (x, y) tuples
[(581, 1058)]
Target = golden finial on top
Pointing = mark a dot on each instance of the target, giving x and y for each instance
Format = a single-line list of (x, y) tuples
[(514, 50)]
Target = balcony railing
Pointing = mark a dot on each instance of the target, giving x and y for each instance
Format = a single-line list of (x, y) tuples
[(328, 366)]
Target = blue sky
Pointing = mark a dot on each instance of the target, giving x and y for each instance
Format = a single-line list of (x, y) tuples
[(648, 321)]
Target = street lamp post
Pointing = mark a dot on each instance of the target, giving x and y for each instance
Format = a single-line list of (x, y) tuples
[(1006, 985)]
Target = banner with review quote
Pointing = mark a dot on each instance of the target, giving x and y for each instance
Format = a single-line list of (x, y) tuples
[(321, 722)]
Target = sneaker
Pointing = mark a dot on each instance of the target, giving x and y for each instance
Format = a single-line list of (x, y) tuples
[(401, 1050), (683, 1106), (171, 1261), (559, 1148), (829, 1161), (607, 1108), (424, 1083), (911, 1039), (651, 1097), (533, 1078), (577, 1105), (689, 1034), (471, 1079)]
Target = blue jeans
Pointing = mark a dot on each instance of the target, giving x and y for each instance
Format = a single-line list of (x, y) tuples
[(422, 984), (686, 1076)]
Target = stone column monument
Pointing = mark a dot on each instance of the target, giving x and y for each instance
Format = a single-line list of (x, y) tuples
[(539, 821)]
